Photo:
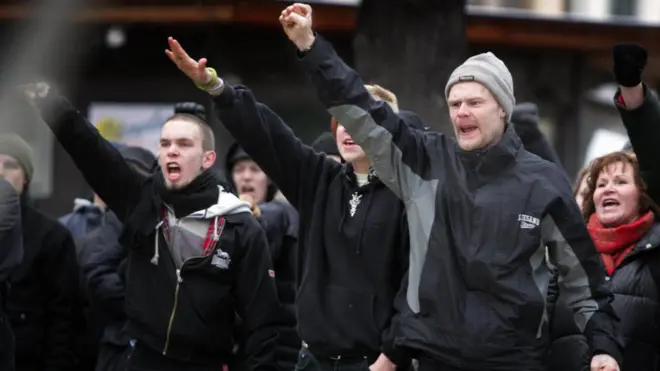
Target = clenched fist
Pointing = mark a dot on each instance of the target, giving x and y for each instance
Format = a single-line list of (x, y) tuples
[(297, 23), (604, 362)]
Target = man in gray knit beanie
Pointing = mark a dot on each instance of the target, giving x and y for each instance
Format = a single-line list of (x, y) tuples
[(16, 159), (480, 97)]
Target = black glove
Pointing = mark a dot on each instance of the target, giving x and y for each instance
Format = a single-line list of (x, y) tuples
[(191, 108), (629, 62)]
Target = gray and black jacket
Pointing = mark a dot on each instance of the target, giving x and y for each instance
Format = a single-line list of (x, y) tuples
[(479, 225)]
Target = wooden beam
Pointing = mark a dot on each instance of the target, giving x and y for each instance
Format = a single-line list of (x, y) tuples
[(491, 30)]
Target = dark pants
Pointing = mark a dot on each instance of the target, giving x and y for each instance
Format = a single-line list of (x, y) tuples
[(308, 362), (7, 348)]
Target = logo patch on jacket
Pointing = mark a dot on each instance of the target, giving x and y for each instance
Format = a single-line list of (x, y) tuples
[(221, 259), (528, 222)]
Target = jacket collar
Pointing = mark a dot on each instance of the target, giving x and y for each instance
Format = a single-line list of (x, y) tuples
[(492, 160)]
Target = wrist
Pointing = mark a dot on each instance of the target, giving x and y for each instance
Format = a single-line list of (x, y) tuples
[(306, 43), (210, 80)]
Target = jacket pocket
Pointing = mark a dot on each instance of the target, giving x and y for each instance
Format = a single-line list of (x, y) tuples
[(353, 314)]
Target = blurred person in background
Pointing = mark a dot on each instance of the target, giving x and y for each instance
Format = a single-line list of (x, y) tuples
[(280, 220), (353, 247), (42, 305), (197, 256), (463, 199), (104, 268), (11, 254)]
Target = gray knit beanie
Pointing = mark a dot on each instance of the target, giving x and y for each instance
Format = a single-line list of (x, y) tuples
[(16, 147), (490, 71)]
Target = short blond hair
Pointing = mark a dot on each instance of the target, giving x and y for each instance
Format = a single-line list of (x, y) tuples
[(380, 93)]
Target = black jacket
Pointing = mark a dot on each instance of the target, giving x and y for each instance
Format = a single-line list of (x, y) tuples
[(479, 223), (280, 221), (351, 264), (11, 254), (43, 299), (104, 271), (181, 320)]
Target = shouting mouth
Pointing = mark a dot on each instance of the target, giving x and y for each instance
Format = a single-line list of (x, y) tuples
[(173, 171)]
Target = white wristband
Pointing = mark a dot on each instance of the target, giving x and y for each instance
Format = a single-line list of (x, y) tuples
[(217, 88)]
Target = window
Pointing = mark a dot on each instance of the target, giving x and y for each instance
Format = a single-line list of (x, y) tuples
[(623, 7)]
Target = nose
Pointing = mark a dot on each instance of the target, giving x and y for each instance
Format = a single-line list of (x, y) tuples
[(463, 110), (172, 151)]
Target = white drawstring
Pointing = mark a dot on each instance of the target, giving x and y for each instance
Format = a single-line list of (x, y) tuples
[(216, 235), (154, 259)]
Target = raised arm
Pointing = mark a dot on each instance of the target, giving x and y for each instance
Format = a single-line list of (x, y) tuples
[(397, 152), (640, 113), (293, 166), (525, 120), (581, 273), (99, 161)]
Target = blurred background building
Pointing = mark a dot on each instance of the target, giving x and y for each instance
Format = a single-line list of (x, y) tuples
[(111, 64)]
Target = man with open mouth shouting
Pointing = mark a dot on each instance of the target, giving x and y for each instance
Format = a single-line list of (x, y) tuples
[(197, 256)]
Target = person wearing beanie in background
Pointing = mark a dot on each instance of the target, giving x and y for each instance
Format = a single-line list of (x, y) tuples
[(353, 247), (42, 304), (280, 221), (326, 143), (481, 211), (11, 255)]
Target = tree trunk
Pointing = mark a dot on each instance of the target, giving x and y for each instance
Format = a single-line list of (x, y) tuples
[(411, 47)]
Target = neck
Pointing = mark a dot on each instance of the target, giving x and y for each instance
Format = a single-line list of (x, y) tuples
[(361, 167)]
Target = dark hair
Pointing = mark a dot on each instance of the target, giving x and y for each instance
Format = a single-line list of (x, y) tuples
[(208, 138), (600, 164)]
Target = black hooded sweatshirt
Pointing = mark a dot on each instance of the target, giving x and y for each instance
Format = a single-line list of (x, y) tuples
[(181, 303), (353, 244)]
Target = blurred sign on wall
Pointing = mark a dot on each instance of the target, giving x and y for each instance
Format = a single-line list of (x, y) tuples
[(133, 124)]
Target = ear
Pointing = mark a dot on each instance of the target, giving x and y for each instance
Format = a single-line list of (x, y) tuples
[(209, 159)]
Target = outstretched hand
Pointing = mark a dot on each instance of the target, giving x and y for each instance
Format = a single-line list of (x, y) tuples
[(296, 21), (195, 70)]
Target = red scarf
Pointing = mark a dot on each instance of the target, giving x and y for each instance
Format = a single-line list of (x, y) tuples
[(614, 244)]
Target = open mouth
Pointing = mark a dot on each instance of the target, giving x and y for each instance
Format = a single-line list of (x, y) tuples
[(467, 129), (348, 142), (173, 171), (246, 189), (610, 203)]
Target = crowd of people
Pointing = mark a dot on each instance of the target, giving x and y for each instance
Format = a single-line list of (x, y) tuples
[(382, 246)]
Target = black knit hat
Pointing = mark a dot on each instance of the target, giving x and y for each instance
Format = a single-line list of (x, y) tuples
[(326, 143), (235, 154)]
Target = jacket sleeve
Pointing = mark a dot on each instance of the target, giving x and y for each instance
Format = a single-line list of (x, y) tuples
[(293, 166), (525, 119), (643, 126), (62, 289), (400, 356), (257, 302), (97, 159), (101, 269), (581, 273), (398, 153), (11, 235)]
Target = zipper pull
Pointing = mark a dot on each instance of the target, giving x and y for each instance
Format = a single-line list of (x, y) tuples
[(178, 276)]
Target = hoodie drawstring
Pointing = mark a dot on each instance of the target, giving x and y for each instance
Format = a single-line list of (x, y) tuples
[(154, 259)]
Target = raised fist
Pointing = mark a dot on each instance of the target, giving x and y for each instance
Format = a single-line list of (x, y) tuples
[(296, 21), (629, 62)]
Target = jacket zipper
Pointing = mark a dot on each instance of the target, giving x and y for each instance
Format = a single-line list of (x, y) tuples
[(179, 280), (173, 313)]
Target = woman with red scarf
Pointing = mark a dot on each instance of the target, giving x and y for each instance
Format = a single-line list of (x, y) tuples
[(623, 222)]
